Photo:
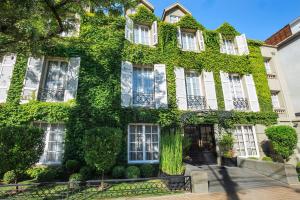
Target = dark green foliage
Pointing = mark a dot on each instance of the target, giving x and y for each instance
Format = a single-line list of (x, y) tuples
[(171, 153), (147, 170), (143, 15), (76, 177), (20, 147), (101, 147), (10, 177), (226, 142), (189, 22), (118, 172), (34, 172), (47, 175), (283, 139), (227, 31), (86, 172), (132, 172), (266, 158), (186, 145), (72, 166)]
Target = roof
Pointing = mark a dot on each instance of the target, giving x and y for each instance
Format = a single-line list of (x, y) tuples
[(148, 4), (295, 21), (174, 5)]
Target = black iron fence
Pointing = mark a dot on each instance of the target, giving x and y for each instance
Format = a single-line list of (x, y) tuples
[(196, 102), (143, 99), (240, 104), (97, 189)]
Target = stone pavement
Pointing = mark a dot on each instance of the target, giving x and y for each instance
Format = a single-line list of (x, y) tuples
[(263, 193)]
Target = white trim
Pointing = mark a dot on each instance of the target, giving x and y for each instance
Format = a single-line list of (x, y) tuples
[(144, 144), (185, 11), (138, 29)]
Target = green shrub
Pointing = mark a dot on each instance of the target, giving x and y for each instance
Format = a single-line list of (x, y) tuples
[(101, 147), (171, 153), (266, 158), (132, 172), (72, 166), (46, 175), (34, 172), (10, 177), (76, 177), (147, 170), (283, 140), (118, 172), (298, 165), (226, 143), (86, 172)]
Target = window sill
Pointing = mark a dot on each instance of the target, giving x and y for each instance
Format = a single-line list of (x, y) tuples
[(144, 162)]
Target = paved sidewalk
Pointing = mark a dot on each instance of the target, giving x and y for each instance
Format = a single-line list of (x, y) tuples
[(264, 193)]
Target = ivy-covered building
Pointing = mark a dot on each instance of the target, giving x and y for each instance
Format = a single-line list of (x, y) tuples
[(146, 75)]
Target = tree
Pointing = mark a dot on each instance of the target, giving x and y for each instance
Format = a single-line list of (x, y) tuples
[(20, 148), (283, 140), (32, 22), (101, 147)]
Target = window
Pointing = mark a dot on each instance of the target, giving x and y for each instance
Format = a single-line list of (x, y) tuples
[(275, 100), (55, 81), (239, 100), (143, 143), (54, 143), (142, 34), (195, 100), (143, 86), (229, 47), (189, 41), (245, 142), (174, 19), (268, 66), (72, 26)]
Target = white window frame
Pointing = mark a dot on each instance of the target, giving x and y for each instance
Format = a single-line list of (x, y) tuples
[(142, 86), (244, 141), (42, 160), (232, 86), (227, 47), (144, 144), (268, 66), (186, 38), (192, 85), (139, 28), (174, 19), (275, 100)]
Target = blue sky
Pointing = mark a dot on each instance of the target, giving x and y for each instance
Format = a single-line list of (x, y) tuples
[(258, 19)]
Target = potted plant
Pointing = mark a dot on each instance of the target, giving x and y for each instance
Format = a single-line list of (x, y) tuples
[(228, 157)]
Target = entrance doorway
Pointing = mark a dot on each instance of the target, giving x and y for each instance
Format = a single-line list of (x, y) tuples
[(203, 144)]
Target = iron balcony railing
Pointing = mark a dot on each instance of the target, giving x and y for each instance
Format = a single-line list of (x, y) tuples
[(196, 102), (240, 104), (49, 94), (143, 99)]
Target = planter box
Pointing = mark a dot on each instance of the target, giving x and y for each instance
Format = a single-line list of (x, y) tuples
[(229, 162), (175, 182)]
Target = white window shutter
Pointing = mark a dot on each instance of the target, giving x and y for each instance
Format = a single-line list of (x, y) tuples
[(154, 33), (180, 88), (126, 84), (160, 81), (222, 45), (72, 79), (6, 71), (228, 100), (210, 90), (200, 40), (242, 44), (32, 79), (129, 29), (251, 90), (179, 38)]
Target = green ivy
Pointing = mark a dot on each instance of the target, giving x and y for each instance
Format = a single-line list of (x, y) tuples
[(227, 31), (102, 47)]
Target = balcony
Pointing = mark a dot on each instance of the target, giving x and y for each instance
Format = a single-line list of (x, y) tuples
[(196, 102), (240, 104), (143, 99), (52, 95)]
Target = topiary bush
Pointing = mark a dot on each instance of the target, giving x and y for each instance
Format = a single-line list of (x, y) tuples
[(132, 172), (283, 139), (118, 172), (72, 166), (147, 170), (47, 175), (86, 172), (266, 158), (226, 143), (75, 177), (34, 172), (10, 177)]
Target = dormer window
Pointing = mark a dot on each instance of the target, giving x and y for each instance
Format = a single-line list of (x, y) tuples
[(190, 40), (141, 33), (234, 46), (174, 19)]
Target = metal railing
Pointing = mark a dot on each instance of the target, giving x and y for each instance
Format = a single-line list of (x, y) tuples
[(240, 104), (196, 102), (53, 95), (143, 99), (97, 189)]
